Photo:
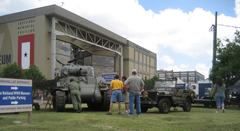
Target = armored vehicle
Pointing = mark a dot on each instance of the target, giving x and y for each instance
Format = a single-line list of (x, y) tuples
[(165, 95), (91, 93)]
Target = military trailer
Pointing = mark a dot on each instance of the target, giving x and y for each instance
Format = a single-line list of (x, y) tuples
[(94, 96), (165, 95)]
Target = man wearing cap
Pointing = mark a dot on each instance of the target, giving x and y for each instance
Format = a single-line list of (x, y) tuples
[(135, 86)]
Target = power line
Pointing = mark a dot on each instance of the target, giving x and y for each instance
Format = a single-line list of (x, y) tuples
[(229, 26)]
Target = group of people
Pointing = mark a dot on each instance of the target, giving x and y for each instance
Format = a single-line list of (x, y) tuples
[(131, 89)]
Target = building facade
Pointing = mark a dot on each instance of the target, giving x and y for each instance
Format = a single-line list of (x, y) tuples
[(136, 57), (190, 77), (51, 36)]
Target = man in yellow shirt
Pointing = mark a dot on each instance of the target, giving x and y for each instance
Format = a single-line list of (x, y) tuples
[(116, 88)]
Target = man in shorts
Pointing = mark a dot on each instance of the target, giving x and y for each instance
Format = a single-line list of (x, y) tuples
[(116, 88)]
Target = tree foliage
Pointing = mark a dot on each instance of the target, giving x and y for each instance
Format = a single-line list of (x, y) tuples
[(227, 61), (33, 73), (149, 83), (15, 71), (12, 71)]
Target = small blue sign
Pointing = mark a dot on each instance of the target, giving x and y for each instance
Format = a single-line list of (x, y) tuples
[(181, 86), (15, 95), (108, 77)]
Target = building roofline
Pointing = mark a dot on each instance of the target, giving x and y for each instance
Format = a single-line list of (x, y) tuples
[(54, 10), (130, 43), (162, 70)]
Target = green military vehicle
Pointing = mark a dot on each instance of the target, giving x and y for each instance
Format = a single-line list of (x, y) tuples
[(92, 94), (166, 94)]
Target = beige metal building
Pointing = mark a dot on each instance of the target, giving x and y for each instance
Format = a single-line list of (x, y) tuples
[(136, 57), (51, 36)]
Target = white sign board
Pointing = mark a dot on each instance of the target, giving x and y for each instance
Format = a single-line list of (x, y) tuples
[(15, 95)]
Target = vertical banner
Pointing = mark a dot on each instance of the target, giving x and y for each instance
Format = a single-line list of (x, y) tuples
[(26, 51), (25, 55)]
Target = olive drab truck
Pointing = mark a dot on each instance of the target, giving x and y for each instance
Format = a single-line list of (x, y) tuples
[(166, 94)]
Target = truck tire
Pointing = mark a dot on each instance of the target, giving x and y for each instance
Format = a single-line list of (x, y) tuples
[(103, 106), (187, 106), (59, 101), (36, 106), (106, 100), (164, 105), (91, 106)]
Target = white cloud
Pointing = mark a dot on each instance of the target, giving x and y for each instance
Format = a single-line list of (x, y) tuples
[(4, 4), (181, 67), (166, 60), (237, 7), (185, 33), (203, 69)]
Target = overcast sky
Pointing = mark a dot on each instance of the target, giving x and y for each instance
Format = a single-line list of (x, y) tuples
[(176, 30)]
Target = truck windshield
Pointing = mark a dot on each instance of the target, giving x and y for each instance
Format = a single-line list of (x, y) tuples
[(164, 84)]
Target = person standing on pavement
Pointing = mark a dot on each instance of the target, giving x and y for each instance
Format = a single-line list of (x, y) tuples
[(135, 86), (116, 88), (75, 92)]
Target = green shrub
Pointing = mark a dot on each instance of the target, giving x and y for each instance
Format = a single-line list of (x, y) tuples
[(12, 71), (33, 73)]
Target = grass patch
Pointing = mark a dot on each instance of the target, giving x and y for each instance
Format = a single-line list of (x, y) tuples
[(199, 119)]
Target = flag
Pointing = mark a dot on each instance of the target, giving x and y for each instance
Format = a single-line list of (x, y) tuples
[(25, 56), (26, 51)]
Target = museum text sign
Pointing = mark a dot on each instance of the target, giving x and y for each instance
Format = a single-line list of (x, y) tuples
[(15, 95)]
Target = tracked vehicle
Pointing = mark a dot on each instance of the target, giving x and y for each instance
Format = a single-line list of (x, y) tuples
[(94, 96)]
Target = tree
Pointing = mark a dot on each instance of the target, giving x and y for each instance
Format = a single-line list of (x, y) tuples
[(12, 71), (227, 64), (149, 83), (36, 76), (33, 73)]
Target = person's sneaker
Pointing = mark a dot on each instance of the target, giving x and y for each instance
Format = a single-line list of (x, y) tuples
[(109, 113), (126, 111)]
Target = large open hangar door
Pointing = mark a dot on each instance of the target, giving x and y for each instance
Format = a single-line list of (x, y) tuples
[(104, 54)]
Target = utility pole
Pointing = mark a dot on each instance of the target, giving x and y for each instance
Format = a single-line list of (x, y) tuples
[(214, 41)]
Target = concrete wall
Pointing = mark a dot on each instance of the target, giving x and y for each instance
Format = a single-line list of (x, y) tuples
[(102, 64), (136, 57)]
